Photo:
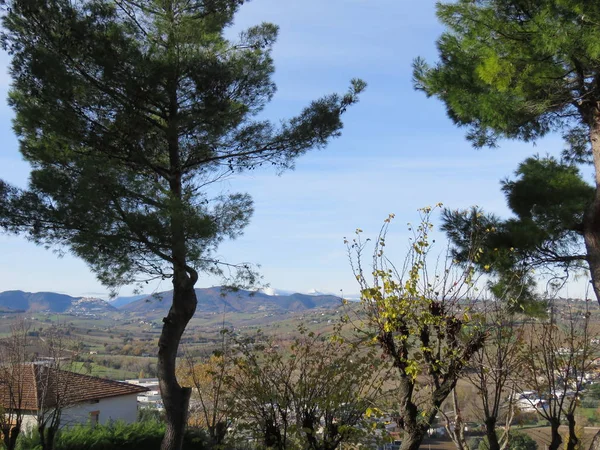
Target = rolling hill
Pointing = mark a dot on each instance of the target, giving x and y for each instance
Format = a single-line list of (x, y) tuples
[(34, 302), (210, 300), (51, 302), (215, 300)]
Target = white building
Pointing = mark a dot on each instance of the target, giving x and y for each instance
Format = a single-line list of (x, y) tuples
[(83, 398), (150, 399)]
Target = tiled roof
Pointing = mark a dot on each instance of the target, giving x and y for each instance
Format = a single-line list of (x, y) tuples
[(44, 386)]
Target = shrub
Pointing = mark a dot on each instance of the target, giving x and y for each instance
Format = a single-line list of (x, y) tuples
[(525, 418), (518, 441), (589, 402), (145, 435)]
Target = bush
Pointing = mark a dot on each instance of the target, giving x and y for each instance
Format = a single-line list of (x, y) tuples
[(474, 442), (28, 441), (518, 441), (146, 435), (525, 418), (593, 391), (149, 414), (589, 402)]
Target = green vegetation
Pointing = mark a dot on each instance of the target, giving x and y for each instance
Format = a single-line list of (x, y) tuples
[(421, 320), (144, 435), (128, 113), (517, 441), (505, 72)]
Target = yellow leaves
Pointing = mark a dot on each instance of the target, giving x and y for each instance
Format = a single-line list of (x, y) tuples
[(373, 412), (412, 369)]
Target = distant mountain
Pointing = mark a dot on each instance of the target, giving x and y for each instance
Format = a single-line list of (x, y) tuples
[(215, 300), (52, 302), (122, 301), (34, 302), (210, 300)]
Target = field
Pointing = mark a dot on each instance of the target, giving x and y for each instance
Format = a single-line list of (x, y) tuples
[(122, 346), (540, 434)]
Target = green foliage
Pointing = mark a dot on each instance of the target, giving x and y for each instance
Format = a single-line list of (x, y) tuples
[(145, 435), (149, 415), (516, 69), (29, 441), (548, 199), (593, 392), (518, 441), (126, 112)]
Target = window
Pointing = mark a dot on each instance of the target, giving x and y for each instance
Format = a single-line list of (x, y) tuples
[(94, 418)]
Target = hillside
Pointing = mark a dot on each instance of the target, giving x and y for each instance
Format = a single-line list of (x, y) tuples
[(13, 301), (35, 302), (210, 300), (215, 300)]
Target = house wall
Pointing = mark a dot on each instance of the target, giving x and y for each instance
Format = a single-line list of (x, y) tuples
[(123, 407)]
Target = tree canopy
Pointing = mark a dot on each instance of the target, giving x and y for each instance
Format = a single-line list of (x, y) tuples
[(128, 111), (521, 69), (547, 198)]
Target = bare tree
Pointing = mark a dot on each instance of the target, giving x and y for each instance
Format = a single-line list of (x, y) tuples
[(54, 378), (554, 363), (210, 405), (423, 321), (493, 372), (313, 394), (14, 354), (455, 425)]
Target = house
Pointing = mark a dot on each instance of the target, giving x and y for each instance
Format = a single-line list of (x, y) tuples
[(150, 399), (82, 398)]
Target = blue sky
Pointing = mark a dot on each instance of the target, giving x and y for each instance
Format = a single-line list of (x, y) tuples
[(398, 152)]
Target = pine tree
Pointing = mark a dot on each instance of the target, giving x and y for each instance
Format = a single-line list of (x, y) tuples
[(127, 110), (521, 69)]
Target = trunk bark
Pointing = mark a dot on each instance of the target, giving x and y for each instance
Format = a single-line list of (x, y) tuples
[(490, 432), (573, 442), (595, 445), (175, 398), (555, 437), (591, 221), (457, 432), (10, 435), (412, 440), (413, 431)]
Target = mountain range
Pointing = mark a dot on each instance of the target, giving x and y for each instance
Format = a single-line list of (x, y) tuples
[(210, 300), (217, 300)]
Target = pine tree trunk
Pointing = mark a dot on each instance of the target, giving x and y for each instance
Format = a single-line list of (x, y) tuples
[(175, 398), (591, 222)]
